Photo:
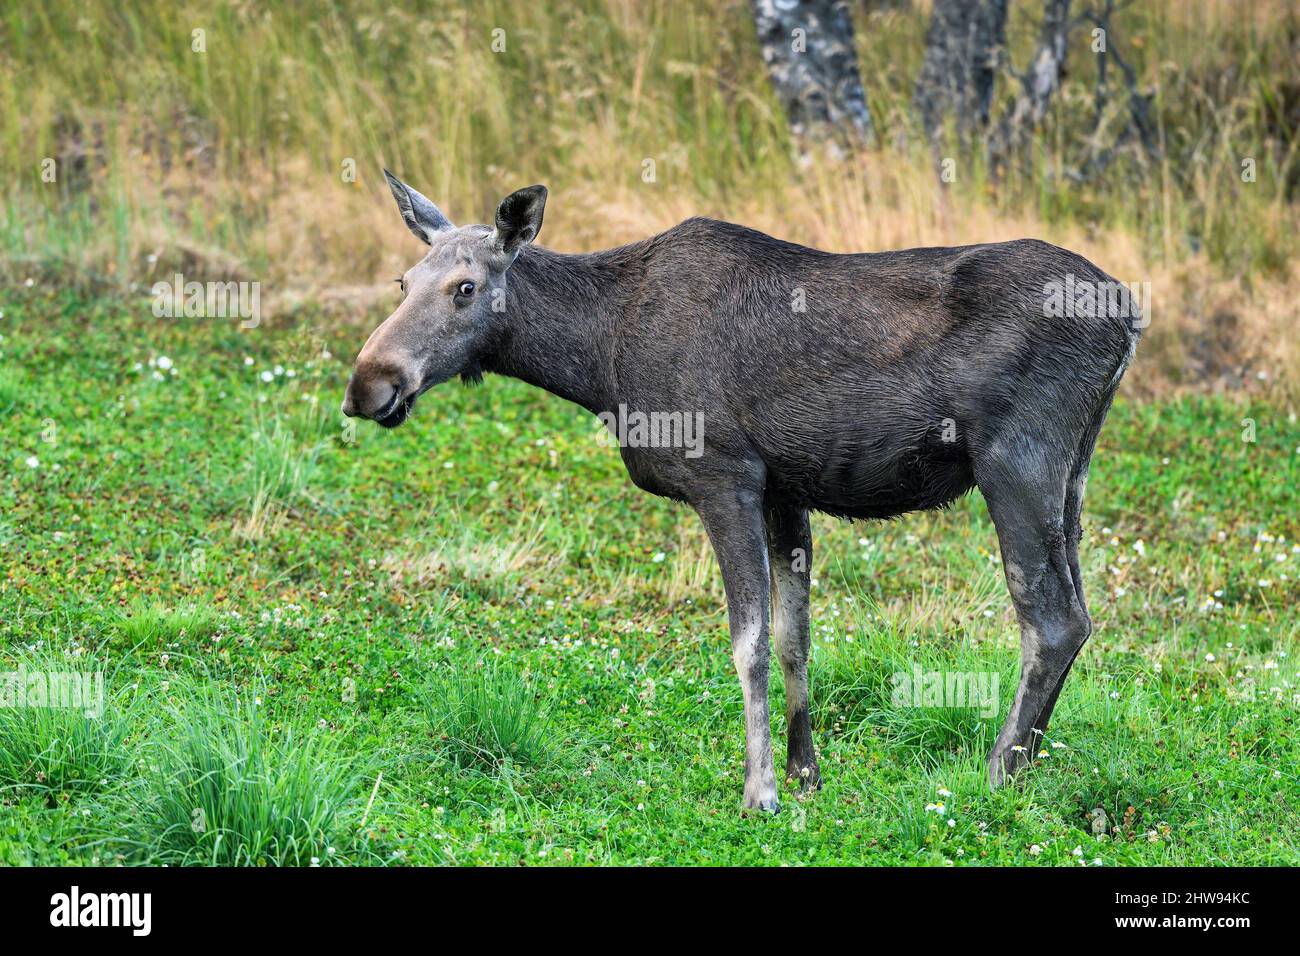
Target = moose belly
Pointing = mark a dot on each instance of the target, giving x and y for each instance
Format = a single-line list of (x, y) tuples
[(879, 485)]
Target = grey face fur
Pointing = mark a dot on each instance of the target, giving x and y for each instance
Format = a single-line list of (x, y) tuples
[(864, 386), (452, 309)]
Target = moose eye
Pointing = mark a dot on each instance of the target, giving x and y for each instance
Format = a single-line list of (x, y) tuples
[(466, 288)]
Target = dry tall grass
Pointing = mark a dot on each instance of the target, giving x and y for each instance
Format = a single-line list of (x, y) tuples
[(231, 162)]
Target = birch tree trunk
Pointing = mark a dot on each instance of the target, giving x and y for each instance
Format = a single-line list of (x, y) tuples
[(1038, 84), (963, 48), (809, 50)]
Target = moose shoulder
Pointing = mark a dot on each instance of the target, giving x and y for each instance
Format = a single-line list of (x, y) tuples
[(757, 380)]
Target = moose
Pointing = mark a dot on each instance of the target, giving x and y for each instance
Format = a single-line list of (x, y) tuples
[(861, 385)]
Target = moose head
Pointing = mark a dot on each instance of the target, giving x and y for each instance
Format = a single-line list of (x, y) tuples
[(453, 304)]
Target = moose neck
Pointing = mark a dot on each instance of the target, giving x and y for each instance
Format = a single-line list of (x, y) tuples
[(564, 310)]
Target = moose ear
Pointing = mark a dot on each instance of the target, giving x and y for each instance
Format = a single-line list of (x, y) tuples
[(421, 216), (519, 220)]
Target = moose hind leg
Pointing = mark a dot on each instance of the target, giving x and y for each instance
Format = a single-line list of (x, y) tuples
[(790, 556), (1026, 498), (1073, 520)]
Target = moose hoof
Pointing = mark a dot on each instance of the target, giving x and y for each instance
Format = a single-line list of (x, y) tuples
[(807, 774), (1005, 763), (765, 804), (762, 798)]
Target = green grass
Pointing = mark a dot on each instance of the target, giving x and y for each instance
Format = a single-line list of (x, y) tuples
[(152, 624), (279, 680), (486, 715), (282, 456), (77, 743), (227, 787)]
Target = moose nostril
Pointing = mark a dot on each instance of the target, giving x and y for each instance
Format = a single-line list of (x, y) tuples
[(381, 410), (349, 406)]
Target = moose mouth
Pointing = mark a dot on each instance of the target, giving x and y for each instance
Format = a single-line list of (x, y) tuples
[(397, 411), (399, 406)]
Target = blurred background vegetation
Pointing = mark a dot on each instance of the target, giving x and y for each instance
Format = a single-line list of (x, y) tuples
[(232, 162)]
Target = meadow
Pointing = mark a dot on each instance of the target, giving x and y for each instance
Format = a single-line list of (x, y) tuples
[(471, 640)]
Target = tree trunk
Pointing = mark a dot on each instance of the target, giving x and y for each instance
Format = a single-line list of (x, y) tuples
[(1038, 84), (1043, 78), (810, 56), (963, 48)]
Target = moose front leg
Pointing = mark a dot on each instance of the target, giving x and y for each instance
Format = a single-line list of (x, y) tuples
[(734, 521)]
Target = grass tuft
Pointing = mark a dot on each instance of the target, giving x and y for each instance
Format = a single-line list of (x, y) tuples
[(489, 716), (282, 459), (54, 742), (154, 623), (232, 788), (11, 389)]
